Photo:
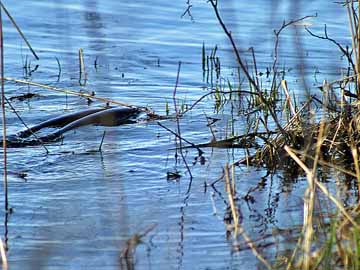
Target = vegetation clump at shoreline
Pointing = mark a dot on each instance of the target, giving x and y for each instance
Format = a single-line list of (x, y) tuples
[(306, 146)]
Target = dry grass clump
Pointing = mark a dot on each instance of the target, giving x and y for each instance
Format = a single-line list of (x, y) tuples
[(309, 144)]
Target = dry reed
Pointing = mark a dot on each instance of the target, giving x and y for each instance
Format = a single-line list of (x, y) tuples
[(237, 227), (6, 199)]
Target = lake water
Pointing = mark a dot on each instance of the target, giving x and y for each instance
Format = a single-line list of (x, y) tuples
[(77, 208)]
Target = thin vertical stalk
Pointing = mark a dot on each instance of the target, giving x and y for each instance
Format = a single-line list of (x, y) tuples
[(229, 191), (308, 230), (3, 113), (238, 228), (82, 72), (322, 187), (355, 155), (357, 47), (4, 260), (102, 140), (178, 114), (252, 82), (288, 97), (354, 40)]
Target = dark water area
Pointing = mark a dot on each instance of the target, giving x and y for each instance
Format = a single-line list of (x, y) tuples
[(78, 207)]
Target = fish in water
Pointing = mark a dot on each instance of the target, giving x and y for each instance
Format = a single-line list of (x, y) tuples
[(99, 116)]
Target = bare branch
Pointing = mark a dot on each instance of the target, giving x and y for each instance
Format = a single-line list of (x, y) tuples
[(277, 36), (214, 4), (346, 52), (188, 11)]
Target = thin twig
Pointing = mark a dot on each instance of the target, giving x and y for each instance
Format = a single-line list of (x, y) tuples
[(230, 192), (25, 125), (175, 89), (188, 11), (178, 125), (80, 94), (3, 114), (322, 187), (327, 164), (353, 40), (237, 226), (288, 98), (255, 66), (59, 67), (218, 92), (229, 142), (277, 37), (181, 138), (102, 140), (341, 48), (19, 30), (214, 4), (82, 72), (4, 260)]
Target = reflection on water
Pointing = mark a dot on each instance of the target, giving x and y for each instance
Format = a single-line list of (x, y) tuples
[(78, 208)]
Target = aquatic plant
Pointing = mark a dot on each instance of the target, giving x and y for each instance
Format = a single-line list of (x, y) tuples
[(309, 144)]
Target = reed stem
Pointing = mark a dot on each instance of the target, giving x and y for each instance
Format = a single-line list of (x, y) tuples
[(3, 114), (19, 31)]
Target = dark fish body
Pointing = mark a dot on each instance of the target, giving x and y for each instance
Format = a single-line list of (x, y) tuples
[(108, 117), (59, 121), (101, 117)]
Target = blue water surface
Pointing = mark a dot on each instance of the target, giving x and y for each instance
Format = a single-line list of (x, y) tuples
[(78, 207)]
